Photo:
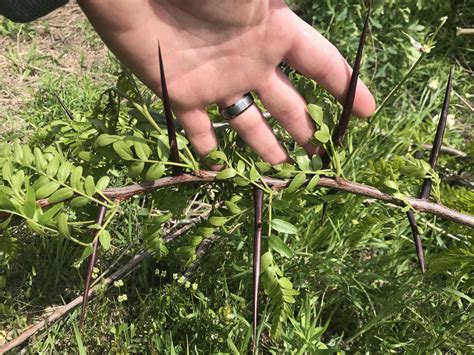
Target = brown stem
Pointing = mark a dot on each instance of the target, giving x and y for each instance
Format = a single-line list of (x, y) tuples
[(257, 251), (204, 176), (92, 259), (447, 150), (169, 117)]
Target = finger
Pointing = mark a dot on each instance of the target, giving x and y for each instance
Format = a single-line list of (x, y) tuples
[(288, 107), (315, 57), (199, 130), (252, 127)]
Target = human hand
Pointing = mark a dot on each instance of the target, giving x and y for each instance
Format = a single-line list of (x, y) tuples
[(217, 50)]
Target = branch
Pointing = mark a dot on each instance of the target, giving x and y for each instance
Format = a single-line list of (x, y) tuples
[(204, 176), (447, 150)]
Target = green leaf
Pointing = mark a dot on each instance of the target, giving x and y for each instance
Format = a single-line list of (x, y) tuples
[(316, 112), (393, 185), (37, 228), (53, 166), (5, 202), (232, 207), (105, 140), (142, 149), (226, 174), (285, 283), (28, 157), (17, 153), (41, 181), (102, 183), (64, 172), (46, 217), (302, 159), (316, 162), (136, 168), (46, 190), (40, 161), (283, 226), (217, 221), (241, 166), (323, 134), (76, 175), (5, 223), (63, 225), (296, 183), (217, 155), (89, 185), (7, 171), (265, 261), (29, 208), (123, 150), (254, 174), (263, 166), (79, 201), (105, 239), (61, 195), (155, 172), (240, 181), (312, 183), (279, 246)]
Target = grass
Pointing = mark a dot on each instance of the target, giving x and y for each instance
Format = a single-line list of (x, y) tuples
[(360, 290)]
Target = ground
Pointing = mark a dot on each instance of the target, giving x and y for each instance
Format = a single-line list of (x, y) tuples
[(59, 45)]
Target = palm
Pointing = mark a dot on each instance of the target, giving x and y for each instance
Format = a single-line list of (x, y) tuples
[(214, 51)]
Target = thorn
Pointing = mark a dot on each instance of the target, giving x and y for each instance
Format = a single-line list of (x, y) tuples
[(169, 117), (343, 123), (257, 244), (66, 110), (427, 183), (417, 240), (92, 259), (426, 189), (349, 102)]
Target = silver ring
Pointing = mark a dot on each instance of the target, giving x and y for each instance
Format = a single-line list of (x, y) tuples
[(238, 107)]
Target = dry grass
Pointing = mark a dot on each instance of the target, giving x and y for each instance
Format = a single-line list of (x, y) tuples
[(61, 44)]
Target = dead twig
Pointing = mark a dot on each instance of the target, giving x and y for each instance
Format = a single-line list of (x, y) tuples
[(60, 312)]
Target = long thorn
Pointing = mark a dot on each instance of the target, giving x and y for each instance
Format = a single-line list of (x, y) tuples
[(169, 117), (426, 188), (343, 123), (257, 244), (341, 128), (420, 255), (64, 107), (93, 258)]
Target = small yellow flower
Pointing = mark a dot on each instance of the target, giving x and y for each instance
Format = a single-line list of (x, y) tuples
[(122, 298), (118, 283)]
